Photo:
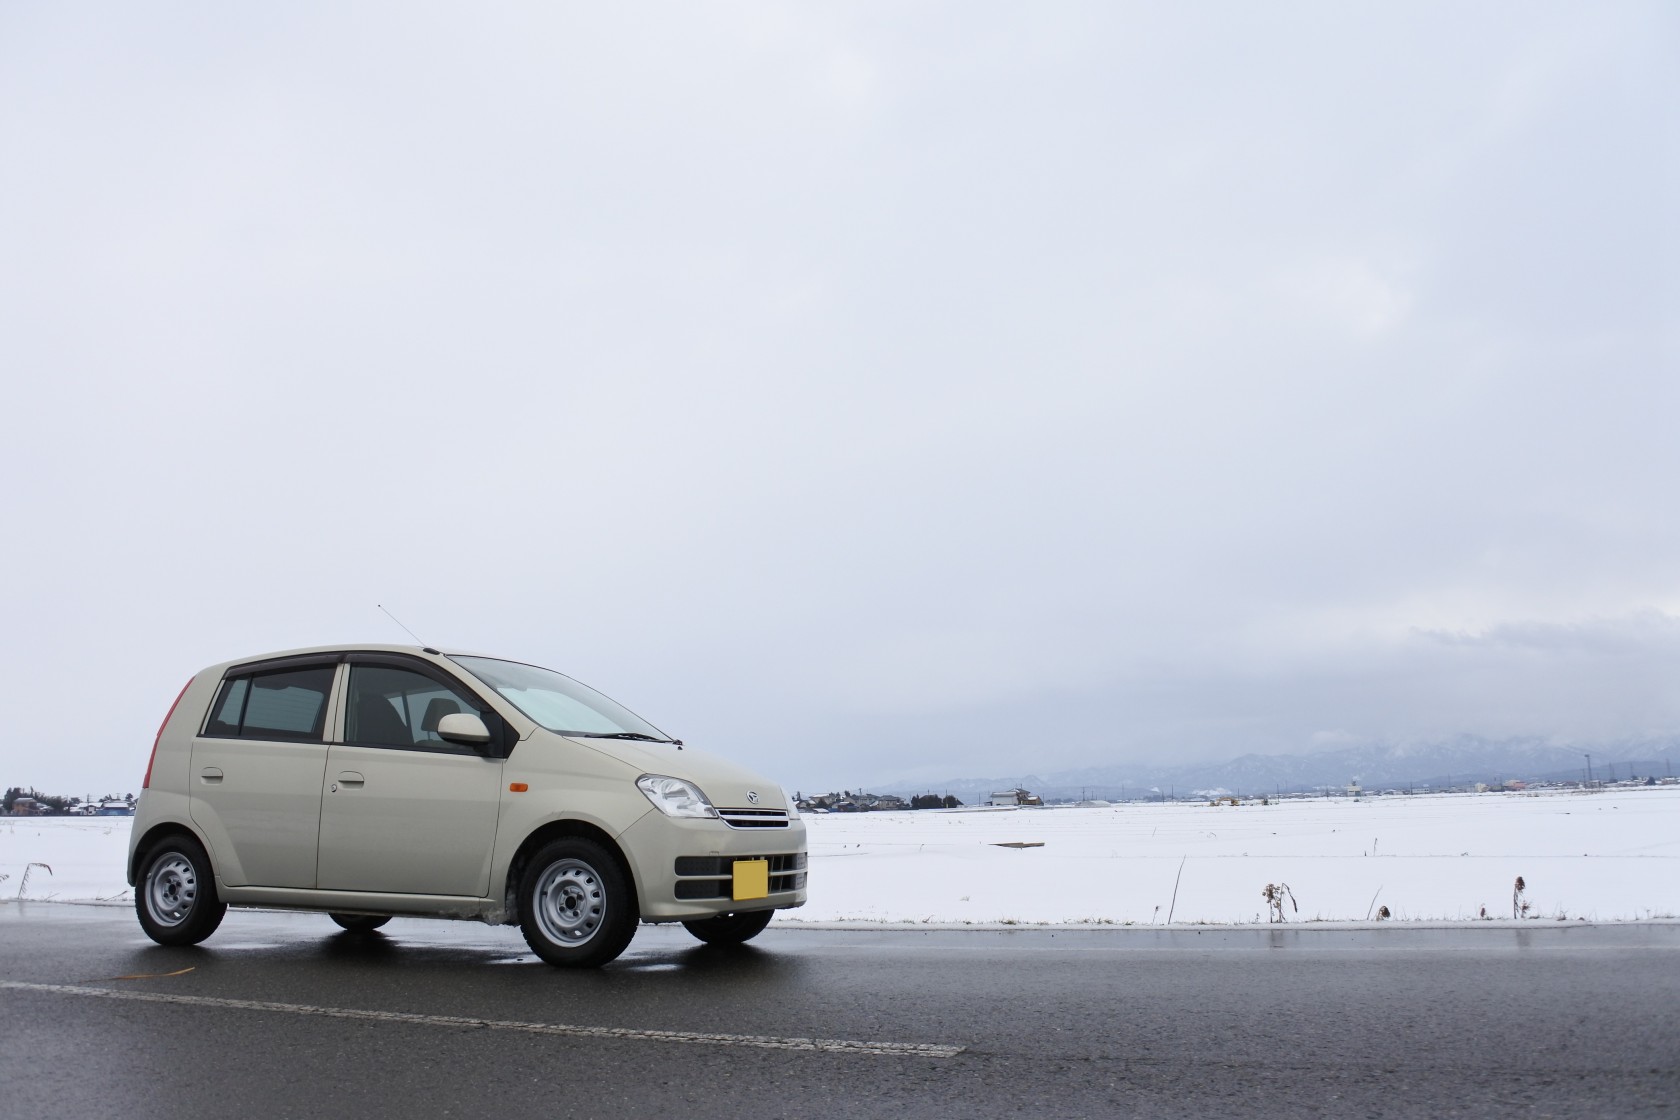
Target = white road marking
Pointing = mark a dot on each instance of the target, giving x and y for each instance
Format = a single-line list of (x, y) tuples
[(761, 1042)]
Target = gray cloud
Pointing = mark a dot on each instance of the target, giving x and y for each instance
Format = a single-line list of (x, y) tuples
[(857, 392)]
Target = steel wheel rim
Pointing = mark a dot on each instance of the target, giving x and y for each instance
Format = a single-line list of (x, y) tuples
[(171, 889), (570, 902)]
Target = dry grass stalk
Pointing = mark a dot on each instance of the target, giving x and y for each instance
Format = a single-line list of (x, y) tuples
[(23, 884), (1274, 894)]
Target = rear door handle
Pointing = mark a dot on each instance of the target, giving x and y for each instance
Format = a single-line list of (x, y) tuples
[(349, 779), (211, 774)]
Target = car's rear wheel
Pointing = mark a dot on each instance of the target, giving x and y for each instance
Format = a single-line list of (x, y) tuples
[(730, 929), (576, 907), (360, 923), (175, 897)]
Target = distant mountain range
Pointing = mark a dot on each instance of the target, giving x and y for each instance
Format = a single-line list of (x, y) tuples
[(1459, 763)]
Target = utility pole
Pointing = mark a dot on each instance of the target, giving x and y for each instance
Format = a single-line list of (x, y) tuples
[(1588, 757)]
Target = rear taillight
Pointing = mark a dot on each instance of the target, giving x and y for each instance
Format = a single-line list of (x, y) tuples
[(146, 783)]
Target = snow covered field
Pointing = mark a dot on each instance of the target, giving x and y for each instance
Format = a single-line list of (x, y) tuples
[(1607, 856), (1601, 856)]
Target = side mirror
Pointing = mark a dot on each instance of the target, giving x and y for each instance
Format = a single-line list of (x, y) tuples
[(464, 728)]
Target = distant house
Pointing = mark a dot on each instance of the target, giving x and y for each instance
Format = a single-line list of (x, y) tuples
[(115, 807), (1016, 797), (849, 802)]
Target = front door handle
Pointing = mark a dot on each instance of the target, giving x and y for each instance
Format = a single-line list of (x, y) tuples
[(211, 774), (350, 779)]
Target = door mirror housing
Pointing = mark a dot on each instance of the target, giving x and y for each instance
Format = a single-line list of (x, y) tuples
[(465, 728)]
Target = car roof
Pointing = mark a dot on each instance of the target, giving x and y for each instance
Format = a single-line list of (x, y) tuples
[(424, 652)]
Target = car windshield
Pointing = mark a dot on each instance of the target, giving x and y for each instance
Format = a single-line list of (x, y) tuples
[(557, 702)]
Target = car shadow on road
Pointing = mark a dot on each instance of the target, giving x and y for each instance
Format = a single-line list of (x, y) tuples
[(367, 947), (732, 963)]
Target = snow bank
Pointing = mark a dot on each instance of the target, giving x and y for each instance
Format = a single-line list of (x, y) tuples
[(1602, 856)]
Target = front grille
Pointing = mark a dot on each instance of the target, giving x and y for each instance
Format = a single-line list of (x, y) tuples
[(724, 865), (754, 818), (714, 876)]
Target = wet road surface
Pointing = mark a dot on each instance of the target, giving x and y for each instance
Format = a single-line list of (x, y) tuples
[(282, 1015)]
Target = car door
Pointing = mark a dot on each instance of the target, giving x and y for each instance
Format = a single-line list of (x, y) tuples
[(256, 772), (403, 811)]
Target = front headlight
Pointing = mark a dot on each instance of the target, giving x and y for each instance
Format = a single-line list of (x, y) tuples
[(675, 797), (793, 806)]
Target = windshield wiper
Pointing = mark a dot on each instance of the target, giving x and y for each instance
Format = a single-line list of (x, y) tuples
[(622, 735)]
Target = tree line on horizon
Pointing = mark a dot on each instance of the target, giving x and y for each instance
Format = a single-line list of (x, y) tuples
[(56, 802)]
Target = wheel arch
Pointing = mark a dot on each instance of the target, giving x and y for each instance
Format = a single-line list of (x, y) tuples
[(569, 827), (161, 831)]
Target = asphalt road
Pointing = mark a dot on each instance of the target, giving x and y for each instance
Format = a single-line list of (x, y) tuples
[(282, 1015)]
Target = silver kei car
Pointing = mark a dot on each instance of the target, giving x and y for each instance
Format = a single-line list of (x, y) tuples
[(369, 781)]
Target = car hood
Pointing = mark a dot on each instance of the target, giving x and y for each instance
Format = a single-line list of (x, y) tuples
[(725, 784)]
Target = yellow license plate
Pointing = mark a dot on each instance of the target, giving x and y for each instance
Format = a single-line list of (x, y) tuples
[(752, 879)]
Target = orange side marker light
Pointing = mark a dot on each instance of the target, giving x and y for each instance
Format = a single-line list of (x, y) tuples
[(517, 787)]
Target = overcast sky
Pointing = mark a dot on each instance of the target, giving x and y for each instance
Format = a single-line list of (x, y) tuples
[(868, 392)]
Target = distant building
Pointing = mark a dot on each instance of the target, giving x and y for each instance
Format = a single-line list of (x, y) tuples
[(849, 802)]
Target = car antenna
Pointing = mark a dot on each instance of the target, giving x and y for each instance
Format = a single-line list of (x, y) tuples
[(398, 621)]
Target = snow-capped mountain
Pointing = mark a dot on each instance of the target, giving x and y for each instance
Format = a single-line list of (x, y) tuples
[(1459, 763)]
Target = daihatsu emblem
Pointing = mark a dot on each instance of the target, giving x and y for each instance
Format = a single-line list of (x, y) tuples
[(752, 796)]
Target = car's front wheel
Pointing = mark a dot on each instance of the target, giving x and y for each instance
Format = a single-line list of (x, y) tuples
[(175, 896), (730, 929), (360, 923), (576, 907)]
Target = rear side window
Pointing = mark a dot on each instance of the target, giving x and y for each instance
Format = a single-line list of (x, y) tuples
[(291, 704)]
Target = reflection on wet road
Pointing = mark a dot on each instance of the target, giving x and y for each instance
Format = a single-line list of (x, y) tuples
[(283, 1015)]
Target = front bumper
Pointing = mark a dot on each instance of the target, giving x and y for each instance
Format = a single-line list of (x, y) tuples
[(684, 867)]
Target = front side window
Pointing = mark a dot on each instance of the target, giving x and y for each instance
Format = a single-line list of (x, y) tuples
[(558, 702), (291, 704), (389, 707)]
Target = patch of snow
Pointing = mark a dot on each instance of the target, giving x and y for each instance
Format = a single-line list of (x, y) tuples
[(82, 857), (1609, 856)]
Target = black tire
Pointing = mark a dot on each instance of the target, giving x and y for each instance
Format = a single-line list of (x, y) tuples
[(175, 895), (576, 907), (730, 929), (360, 923)]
